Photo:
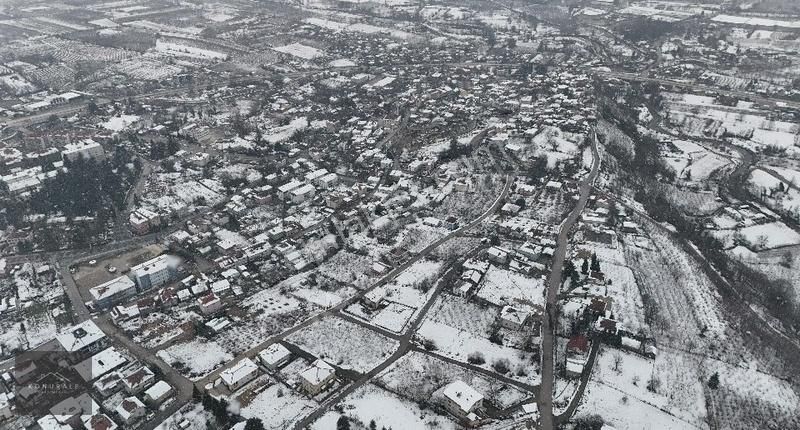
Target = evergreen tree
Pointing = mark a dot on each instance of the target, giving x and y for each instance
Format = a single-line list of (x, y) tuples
[(254, 424), (595, 263), (585, 267), (713, 382), (343, 423)]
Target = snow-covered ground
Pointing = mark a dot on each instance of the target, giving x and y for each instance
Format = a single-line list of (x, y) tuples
[(387, 410), (278, 407), (301, 51), (199, 357), (121, 122), (502, 286), (344, 344)]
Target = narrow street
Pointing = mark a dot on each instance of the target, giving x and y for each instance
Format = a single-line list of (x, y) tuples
[(545, 399)]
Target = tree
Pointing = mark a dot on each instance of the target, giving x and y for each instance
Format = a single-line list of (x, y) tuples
[(617, 362), (343, 423), (713, 382), (254, 424), (595, 263), (585, 267), (589, 422)]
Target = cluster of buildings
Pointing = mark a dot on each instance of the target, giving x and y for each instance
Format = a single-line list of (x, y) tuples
[(108, 389)]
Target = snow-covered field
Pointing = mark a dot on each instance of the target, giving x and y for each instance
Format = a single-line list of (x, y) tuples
[(300, 51), (344, 344), (182, 50), (278, 407), (502, 286), (119, 123), (417, 376), (198, 357), (371, 403)]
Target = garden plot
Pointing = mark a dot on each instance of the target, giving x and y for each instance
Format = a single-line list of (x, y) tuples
[(770, 235), (148, 68), (39, 324), (394, 317), (460, 345), (467, 206), (16, 84), (278, 407), (344, 344), (547, 207), (627, 306), (362, 243), (622, 412), (155, 329), (760, 237), (681, 302), (183, 50), (359, 28), (691, 202), (195, 359), (322, 298), (299, 50), (557, 145), (417, 376), (761, 181), (387, 410), (416, 237), (467, 316), (504, 287), (119, 123), (678, 389)]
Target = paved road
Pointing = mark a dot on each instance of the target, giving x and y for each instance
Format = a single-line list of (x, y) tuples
[(545, 399), (585, 376)]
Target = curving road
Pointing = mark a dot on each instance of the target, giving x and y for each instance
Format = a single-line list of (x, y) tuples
[(545, 400)]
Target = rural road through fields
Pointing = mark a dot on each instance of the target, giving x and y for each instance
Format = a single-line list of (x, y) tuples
[(545, 399)]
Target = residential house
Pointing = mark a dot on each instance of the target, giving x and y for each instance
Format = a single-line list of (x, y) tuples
[(136, 381), (462, 400), (156, 394), (274, 356), (131, 410), (209, 304), (317, 377), (240, 374)]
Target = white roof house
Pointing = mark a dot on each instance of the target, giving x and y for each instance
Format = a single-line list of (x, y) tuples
[(100, 364), (117, 286), (157, 392), (80, 336), (318, 373), (274, 355), (463, 396), (241, 373)]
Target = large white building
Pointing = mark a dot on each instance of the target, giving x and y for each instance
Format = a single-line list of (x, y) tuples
[(83, 339), (155, 272), (87, 149), (112, 292)]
